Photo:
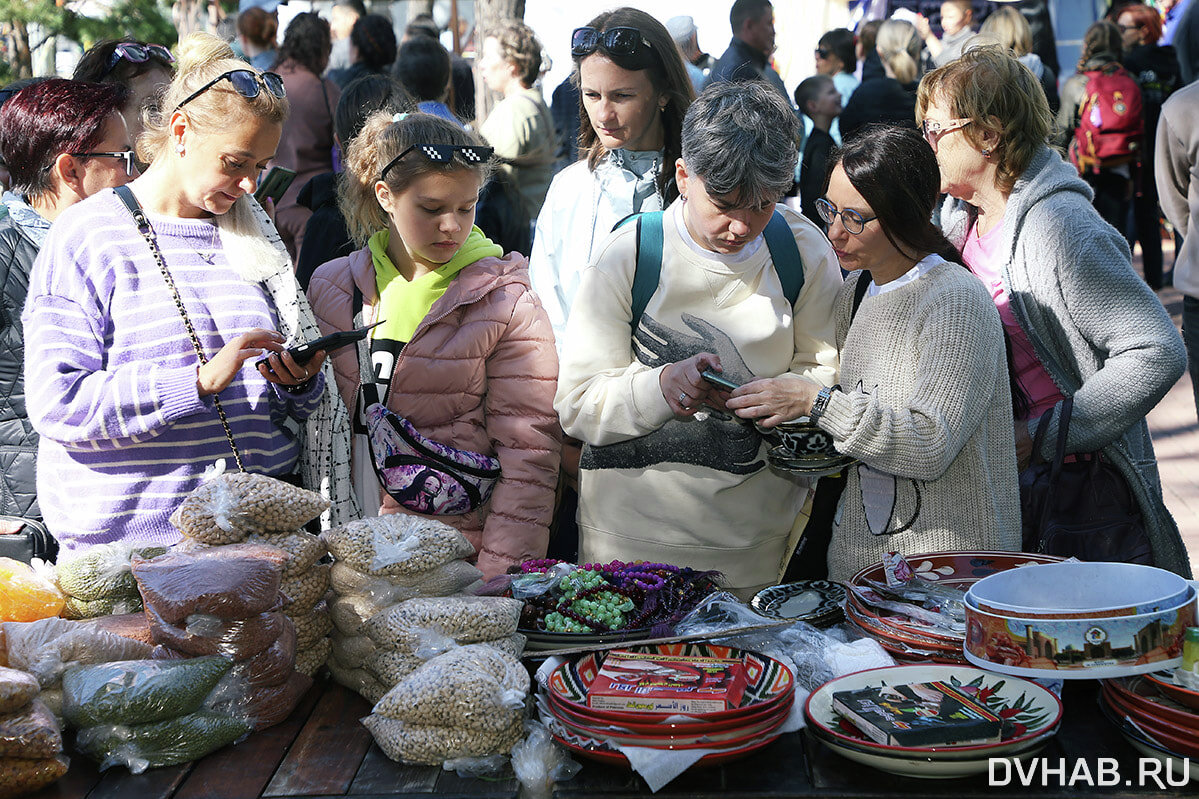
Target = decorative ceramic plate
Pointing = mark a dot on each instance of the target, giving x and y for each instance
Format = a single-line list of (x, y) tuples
[(679, 727), (1177, 763), (769, 682), (905, 626), (960, 569), (927, 767), (597, 750), (811, 465), (1149, 699), (805, 600), (1169, 685), (1183, 740), (736, 737), (1130, 727), (1028, 710)]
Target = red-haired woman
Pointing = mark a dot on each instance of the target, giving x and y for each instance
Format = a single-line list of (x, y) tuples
[(1155, 68), (63, 140)]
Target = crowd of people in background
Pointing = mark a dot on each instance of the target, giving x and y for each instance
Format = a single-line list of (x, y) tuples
[(925, 249)]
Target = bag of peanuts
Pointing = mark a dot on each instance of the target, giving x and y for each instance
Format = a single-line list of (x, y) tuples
[(466, 619), (232, 582), (306, 590), (444, 580), (310, 661), (396, 544), (476, 687), (301, 550), (360, 681), (20, 775), (434, 744), (233, 505), (31, 733)]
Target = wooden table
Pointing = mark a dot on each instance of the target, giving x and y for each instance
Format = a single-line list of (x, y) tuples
[(322, 751)]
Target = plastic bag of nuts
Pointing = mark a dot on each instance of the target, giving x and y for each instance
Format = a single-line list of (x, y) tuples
[(17, 690), (466, 619), (350, 612), (270, 667), (300, 549), (448, 578), (31, 733), (19, 775), (310, 661), (48, 647), (396, 544), (138, 691), (232, 582), (433, 745), (360, 681), (352, 651), (392, 667), (312, 627), (477, 687), (233, 505), (306, 590)]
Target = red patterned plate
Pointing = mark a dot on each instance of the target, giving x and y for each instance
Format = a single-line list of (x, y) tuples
[(1182, 740), (594, 750), (960, 569), (1148, 701), (1166, 683), (707, 740), (883, 627), (572, 714)]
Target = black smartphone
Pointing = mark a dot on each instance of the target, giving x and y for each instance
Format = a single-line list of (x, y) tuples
[(718, 380), (302, 353), (274, 184)]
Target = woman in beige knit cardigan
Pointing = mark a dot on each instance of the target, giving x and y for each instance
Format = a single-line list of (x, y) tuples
[(924, 403)]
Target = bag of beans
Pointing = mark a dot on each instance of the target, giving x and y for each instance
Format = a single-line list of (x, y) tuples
[(397, 544), (233, 505), (31, 733), (160, 743), (17, 690), (139, 691), (20, 775)]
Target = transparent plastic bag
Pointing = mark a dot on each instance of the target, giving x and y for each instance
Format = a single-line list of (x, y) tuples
[(26, 595), (539, 763), (444, 580), (139, 691), (350, 612), (352, 651), (32, 733), (210, 635), (130, 625), (270, 667), (20, 776), (260, 707), (312, 627), (477, 686), (305, 590), (233, 505), (311, 660), (48, 647), (360, 681), (301, 550), (17, 690), (160, 743), (391, 667), (397, 544), (432, 745), (79, 609), (102, 571), (232, 582), (466, 619)]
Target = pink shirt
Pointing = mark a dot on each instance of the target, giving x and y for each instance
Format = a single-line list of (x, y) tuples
[(982, 255)]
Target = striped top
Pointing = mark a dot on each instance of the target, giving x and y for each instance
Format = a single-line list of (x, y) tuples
[(111, 374)]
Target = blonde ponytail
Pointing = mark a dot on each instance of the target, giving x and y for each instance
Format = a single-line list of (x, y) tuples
[(898, 46)]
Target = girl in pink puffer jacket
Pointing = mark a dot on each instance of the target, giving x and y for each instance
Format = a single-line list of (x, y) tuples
[(464, 350)]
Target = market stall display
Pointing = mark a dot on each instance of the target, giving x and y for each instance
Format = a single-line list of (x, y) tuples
[(1026, 716), (99, 581), (30, 738)]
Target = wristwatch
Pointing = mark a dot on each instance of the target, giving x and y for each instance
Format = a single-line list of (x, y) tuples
[(821, 402)]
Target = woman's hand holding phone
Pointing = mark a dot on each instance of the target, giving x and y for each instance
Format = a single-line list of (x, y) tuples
[(773, 400)]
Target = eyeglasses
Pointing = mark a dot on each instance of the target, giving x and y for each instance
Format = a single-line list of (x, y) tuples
[(853, 222), (443, 154), (822, 53), (615, 41), (127, 156), (246, 82), (933, 130), (138, 54)]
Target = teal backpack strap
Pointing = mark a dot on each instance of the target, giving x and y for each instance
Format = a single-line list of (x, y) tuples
[(649, 260), (784, 254)]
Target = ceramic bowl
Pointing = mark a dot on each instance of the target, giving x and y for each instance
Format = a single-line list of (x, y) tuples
[(1178, 764), (1078, 591), (1085, 648), (1169, 685), (957, 568), (1149, 700), (770, 682), (1030, 711), (806, 600), (1182, 744)]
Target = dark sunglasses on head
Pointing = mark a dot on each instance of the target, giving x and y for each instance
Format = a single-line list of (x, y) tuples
[(246, 82), (127, 156), (138, 54), (443, 154), (615, 41)]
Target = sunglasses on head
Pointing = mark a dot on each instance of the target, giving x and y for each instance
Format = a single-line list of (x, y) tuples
[(246, 82), (614, 41), (127, 156), (138, 54), (443, 154)]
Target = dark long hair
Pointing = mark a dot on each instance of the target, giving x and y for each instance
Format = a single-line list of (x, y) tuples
[(896, 172), (667, 75), (307, 42)]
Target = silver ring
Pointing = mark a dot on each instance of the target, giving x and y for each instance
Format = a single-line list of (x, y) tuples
[(683, 398)]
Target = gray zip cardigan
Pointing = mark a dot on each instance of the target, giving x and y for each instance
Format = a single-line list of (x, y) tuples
[(1100, 332)]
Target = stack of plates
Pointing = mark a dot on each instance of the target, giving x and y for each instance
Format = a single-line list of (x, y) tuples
[(1148, 716), (910, 641), (818, 602), (1032, 715), (729, 734)]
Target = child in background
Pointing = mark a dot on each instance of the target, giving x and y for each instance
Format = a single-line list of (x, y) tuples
[(817, 97), (957, 26), (464, 350)]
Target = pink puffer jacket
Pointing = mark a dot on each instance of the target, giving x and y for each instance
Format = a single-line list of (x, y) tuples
[(479, 374)]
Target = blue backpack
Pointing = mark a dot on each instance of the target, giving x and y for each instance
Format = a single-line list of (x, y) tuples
[(784, 254)]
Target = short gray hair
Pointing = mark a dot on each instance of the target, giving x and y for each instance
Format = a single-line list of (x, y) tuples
[(742, 137)]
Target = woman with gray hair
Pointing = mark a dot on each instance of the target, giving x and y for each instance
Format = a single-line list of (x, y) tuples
[(743, 287)]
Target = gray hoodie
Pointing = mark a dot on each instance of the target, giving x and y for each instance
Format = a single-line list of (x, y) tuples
[(1097, 328)]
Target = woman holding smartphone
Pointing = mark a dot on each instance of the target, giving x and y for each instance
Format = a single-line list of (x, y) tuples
[(189, 284)]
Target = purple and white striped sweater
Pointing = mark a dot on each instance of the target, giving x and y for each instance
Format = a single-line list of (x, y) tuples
[(110, 373)]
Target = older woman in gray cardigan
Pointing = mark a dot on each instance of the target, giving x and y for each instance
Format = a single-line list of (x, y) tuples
[(1081, 323)]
